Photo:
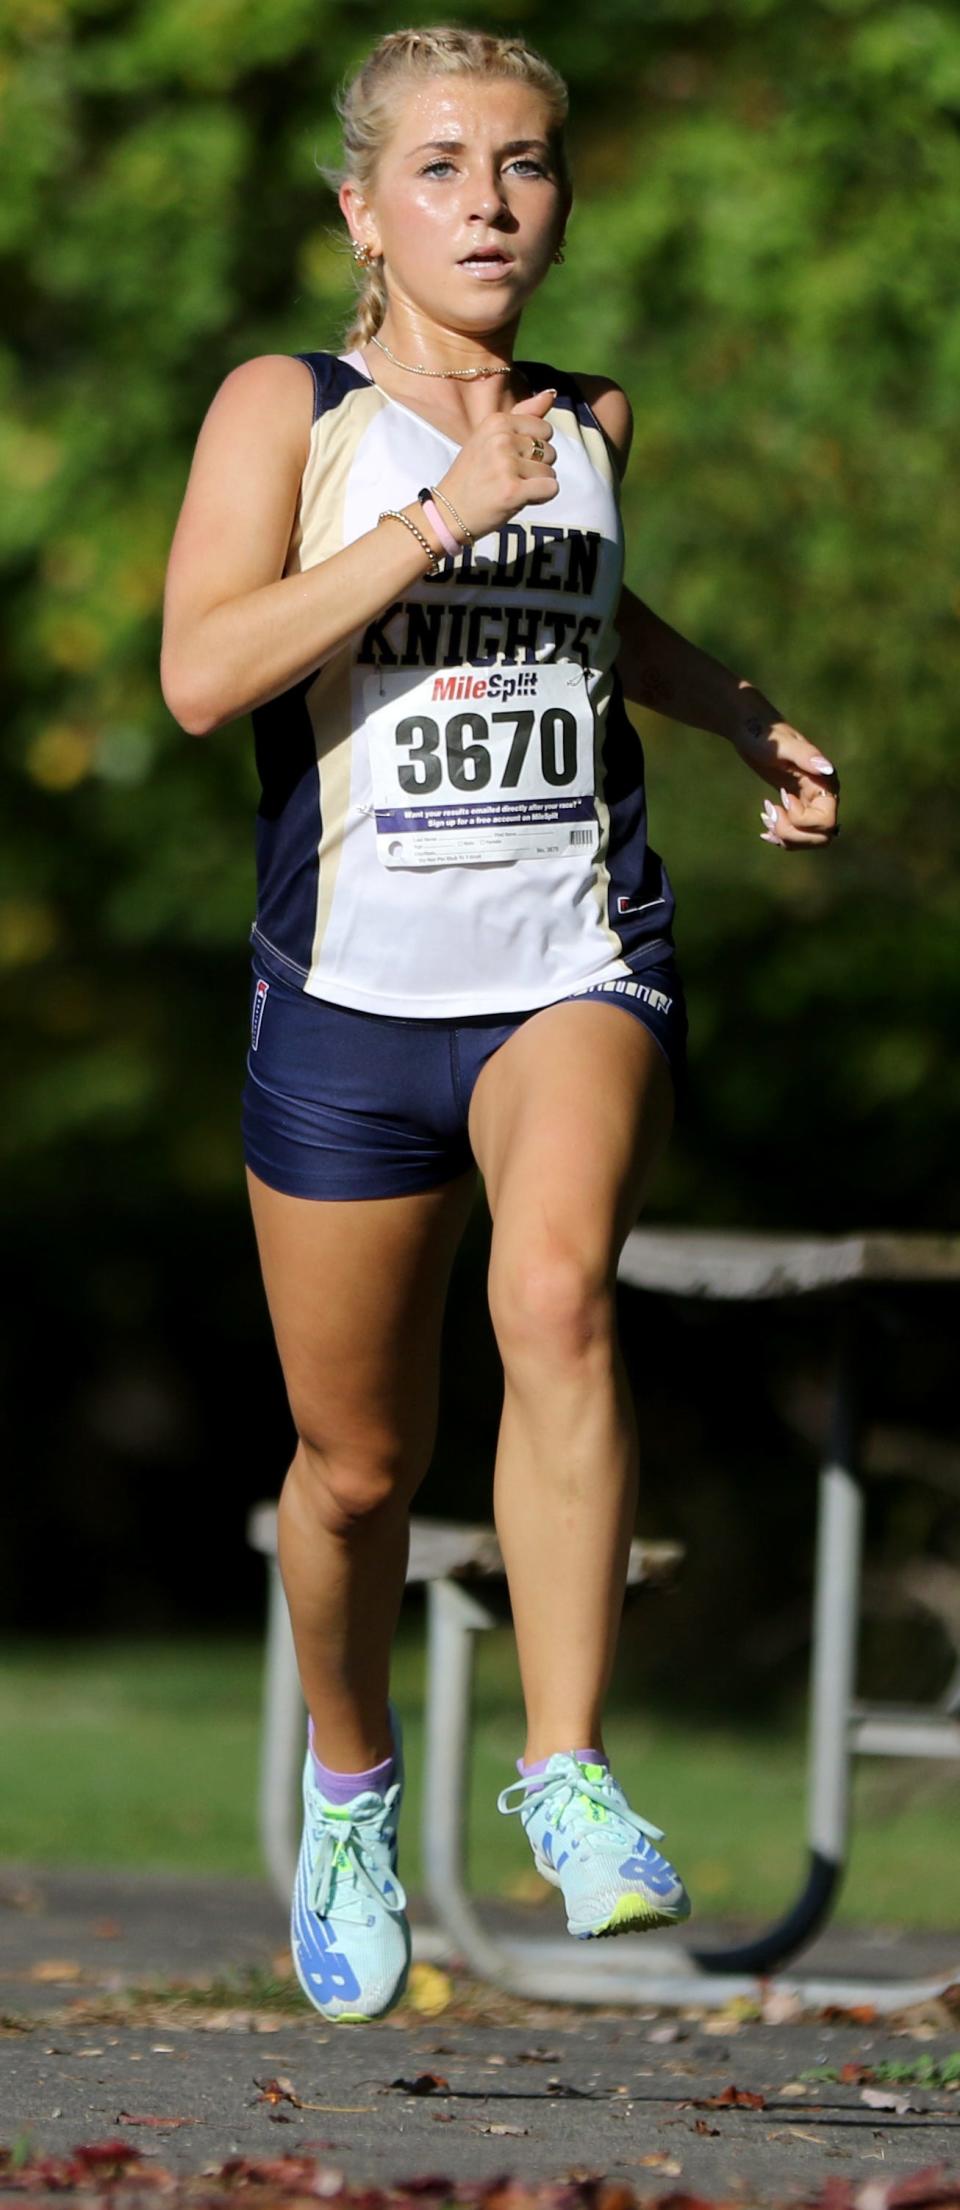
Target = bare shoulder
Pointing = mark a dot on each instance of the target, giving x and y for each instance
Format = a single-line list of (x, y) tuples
[(272, 392), (613, 411)]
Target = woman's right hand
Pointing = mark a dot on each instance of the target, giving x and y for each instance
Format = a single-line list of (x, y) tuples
[(494, 474)]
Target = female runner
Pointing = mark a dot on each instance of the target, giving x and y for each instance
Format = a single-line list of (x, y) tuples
[(406, 561)]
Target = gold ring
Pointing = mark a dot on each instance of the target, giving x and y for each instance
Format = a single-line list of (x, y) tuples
[(538, 449)]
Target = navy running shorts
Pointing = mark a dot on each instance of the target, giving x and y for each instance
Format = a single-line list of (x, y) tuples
[(343, 1104)]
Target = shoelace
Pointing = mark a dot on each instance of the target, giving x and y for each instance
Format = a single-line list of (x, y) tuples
[(564, 1785), (344, 1846)]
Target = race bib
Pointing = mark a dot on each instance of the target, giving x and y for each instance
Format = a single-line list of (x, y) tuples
[(469, 765)]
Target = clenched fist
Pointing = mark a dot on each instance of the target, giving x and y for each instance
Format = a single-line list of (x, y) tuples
[(496, 471)]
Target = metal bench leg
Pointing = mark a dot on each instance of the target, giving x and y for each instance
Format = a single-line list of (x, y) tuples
[(836, 1612), (453, 1618), (538, 1966), (282, 1744), (836, 1621)]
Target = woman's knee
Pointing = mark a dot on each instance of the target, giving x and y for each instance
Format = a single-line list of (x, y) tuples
[(348, 1482), (551, 1306)]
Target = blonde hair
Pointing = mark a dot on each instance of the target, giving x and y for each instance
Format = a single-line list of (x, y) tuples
[(366, 106)]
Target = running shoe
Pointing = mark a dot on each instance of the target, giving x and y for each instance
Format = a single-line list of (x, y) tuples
[(348, 1930), (588, 1842)]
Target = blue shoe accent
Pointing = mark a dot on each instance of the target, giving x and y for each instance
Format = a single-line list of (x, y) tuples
[(348, 1931), (588, 1842)]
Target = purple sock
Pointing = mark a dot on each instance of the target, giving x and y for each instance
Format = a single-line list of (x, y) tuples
[(342, 1787), (583, 1757)]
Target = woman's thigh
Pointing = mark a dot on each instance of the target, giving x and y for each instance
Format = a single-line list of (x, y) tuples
[(356, 1291), (568, 1121)]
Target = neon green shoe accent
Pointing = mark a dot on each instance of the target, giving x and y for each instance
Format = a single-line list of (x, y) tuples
[(594, 1810), (629, 1910)]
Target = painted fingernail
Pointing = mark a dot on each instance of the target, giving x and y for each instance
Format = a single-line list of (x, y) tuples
[(767, 837), (769, 811), (820, 765), (785, 799)]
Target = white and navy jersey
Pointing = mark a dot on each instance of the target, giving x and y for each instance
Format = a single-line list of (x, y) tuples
[(452, 818)]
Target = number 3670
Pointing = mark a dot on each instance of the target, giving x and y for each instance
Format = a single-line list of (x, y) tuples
[(463, 745)]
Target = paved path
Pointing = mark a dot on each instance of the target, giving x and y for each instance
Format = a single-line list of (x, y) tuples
[(93, 2038)]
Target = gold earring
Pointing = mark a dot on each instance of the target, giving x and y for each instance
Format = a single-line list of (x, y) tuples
[(560, 255)]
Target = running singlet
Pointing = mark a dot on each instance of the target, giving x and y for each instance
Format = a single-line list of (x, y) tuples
[(452, 817)]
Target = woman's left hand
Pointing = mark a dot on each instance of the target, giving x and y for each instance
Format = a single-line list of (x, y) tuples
[(806, 783)]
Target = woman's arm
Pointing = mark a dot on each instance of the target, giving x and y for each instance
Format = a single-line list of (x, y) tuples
[(236, 630), (657, 667), (662, 670)]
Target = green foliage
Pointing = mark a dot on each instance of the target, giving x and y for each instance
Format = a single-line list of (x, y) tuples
[(763, 251), (923, 2071)]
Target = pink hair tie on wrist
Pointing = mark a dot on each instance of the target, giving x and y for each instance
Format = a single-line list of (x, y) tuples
[(443, 530)]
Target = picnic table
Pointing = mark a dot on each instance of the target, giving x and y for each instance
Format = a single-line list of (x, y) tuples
[(843, 1271)]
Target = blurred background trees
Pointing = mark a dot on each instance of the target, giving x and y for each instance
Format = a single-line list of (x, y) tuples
[(763, 250)]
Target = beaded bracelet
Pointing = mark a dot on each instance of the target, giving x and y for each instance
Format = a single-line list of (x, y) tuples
[(394, 514), (436, 493)]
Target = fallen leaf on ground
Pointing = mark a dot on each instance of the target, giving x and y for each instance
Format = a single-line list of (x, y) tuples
[(497, 2127), (428, 1989), (659, 2161), (730, 2098), (879, 2098), (127, 2118), (426, 2083), (341, 2110), (794, 2087), (781, 2006), (56, 1968), (277, 2091)]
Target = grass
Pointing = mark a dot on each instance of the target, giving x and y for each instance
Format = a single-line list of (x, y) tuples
[(144, 1754), (924, 2071)]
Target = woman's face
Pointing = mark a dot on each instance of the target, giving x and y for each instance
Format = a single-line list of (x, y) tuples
[(467, 171)]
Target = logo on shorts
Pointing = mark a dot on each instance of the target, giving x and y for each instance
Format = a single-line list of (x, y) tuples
[(657, 1000), (259, 1001)]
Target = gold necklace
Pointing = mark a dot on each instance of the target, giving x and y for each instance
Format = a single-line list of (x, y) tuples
[(446, 372)]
